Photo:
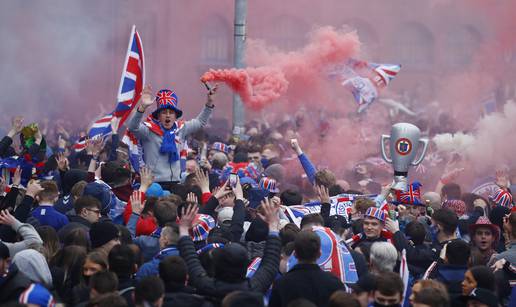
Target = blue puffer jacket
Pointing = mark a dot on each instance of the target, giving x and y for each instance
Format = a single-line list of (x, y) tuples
[(152, 267)]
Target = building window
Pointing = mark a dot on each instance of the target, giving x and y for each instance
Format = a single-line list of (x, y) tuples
[(216, 42), (414, 46), (288, 33), (462, 43)]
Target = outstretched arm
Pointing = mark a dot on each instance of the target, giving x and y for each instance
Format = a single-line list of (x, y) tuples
[(29, 235), (305, 161), (201, 120)]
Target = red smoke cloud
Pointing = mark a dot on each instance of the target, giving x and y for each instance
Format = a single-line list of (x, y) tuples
[(294, 74)]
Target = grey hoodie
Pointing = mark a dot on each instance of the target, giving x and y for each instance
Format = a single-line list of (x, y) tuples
[(33, 264), (162, 169), (30, 236)]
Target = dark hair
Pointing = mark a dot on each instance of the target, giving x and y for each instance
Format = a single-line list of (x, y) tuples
[(122, 260), (301, 302), (484, 277), (240, 157), (243, 298), (451, 190), (98, 258), (254, 148), (512, 222), (457, 252), (70, 259), (108, 300), (125, 234), (173, 270), (325, 177), (335, 190), (470, 198), (313, 218), (362, 204), (447, 219), (78, 236), (433, 297), (307, 246), (50, 190), (149, 289), (416, 231), (389, 283), (50, 240), (340, 298), (165, 210), (288, 233), (86, 202), (114, 173), (104, 282), (291, 197)]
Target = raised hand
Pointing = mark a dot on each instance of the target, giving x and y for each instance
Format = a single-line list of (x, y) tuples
[(223, 191), (146, 178), (62, 162), (6, 218), (33, 188), (237, 190), (115, 123), (147, 98), (136, 202), (188, 214), (323, 194), (294, 144), (270, 214), (17, 176), (16, 126), (191, 199), (211, 94), (94, 146), (392, 226), (502, 179), (61, 142), (202, 180)]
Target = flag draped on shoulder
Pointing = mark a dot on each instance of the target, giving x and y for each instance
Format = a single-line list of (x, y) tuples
[(129, 91), (335, 256)]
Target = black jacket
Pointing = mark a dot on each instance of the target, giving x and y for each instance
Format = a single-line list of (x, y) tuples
[(12, 285), (419, 257), (217, 289), (305, 281), (180, 295)]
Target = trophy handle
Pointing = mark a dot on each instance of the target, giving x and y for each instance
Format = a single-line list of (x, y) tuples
[(382, 145), (425, 147)]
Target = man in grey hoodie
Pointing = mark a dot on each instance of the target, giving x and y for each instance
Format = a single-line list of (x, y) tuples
[(29, 235), (163, 136)]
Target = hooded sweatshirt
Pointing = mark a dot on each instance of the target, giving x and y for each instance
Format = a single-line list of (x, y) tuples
[(33, 264)]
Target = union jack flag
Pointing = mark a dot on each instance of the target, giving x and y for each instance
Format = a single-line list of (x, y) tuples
[(410, 197), (129, 91), (386, 72)]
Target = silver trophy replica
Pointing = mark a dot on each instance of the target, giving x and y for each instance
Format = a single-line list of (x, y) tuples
[(404, 142)]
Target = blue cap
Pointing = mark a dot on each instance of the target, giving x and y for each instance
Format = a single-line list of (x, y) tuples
[(155, 190)]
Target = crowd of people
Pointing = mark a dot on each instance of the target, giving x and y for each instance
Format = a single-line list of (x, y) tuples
[(206, 222)]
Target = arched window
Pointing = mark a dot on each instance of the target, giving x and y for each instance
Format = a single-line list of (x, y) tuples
[(461, 44), (413, 46), (216, 42)]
